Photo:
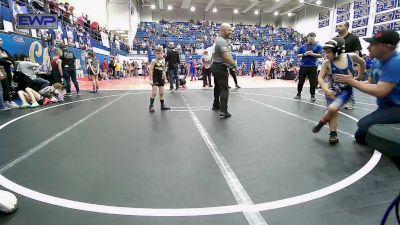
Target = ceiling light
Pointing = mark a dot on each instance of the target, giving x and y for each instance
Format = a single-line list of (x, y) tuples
[(318, 2), (192, 8), (276, 13), (170, 7), (256, 12), (153, 6), (236, 11), (290, 14), (301, 1), (277, 0), (215, 10)]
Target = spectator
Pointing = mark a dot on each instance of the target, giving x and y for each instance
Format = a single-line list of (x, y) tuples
[(28, 69), (69, 69), (56, 67)]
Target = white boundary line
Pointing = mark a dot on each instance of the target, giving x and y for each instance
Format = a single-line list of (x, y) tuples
[(54, 137), (185, 211), (237, 189), (289, 113)]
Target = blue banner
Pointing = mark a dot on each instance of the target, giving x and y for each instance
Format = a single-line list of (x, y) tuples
[(343, 18), (384, 17), (383, 5), (361, 4), (360, 23), (324, 15), (343, 9), (361, 12), (360, 32), (386, 26), (323, 23), (396, 26)]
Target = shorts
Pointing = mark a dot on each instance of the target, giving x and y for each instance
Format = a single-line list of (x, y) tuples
[(158, 82), (341, 98)]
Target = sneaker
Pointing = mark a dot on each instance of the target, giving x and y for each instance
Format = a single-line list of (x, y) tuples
[(163, 107), (12, 105), (229, 87), (333, 139), (5, 108), (313, 99), (24, 105), (317, 127), (68, 95), (224, 114), (298, 97), (34, 105), (210, 86), (237, 86), (78, 94), (92, 91), (46, 101), (348, 106), (151, 109)]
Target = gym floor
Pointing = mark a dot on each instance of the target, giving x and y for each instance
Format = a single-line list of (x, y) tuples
[(104, 159)]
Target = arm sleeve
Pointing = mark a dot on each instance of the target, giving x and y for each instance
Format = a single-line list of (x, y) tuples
[(392, 73), (223, 46), (319, 49), (300, 50)]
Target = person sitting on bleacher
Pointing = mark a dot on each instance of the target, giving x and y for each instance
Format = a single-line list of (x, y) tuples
[(28, 69), (384, 82)]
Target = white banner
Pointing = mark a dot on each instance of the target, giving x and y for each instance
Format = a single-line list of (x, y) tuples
[(104, 39)]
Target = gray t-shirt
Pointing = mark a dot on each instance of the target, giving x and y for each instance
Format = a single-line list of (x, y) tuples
[(221, 46), (207, 60)]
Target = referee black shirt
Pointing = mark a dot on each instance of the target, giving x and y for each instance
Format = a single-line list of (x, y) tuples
[(172, 58)]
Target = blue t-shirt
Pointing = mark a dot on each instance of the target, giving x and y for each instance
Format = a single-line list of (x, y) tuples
[(309, 61), (388, 71)]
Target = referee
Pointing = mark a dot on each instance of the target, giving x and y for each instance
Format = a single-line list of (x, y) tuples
[(222, 60)]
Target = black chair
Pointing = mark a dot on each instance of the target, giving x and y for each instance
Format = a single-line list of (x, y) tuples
[(386, 139)]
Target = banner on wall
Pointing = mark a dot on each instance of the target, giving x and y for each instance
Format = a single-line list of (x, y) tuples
[(386, 26), (343, 18), (16, 9), (324, 15), (104, 39), (384, 17), (396, 26), (360, 32), (360, 23), (383, 5), (343, 9), (323, 23)]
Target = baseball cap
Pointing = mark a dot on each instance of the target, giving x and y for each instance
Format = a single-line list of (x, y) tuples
[(384, 36)]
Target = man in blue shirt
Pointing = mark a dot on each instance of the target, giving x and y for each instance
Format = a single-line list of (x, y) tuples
[(384, 82), (309, 53)]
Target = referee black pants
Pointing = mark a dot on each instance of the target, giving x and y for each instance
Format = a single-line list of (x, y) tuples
[(221, 91), (311, 73)]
